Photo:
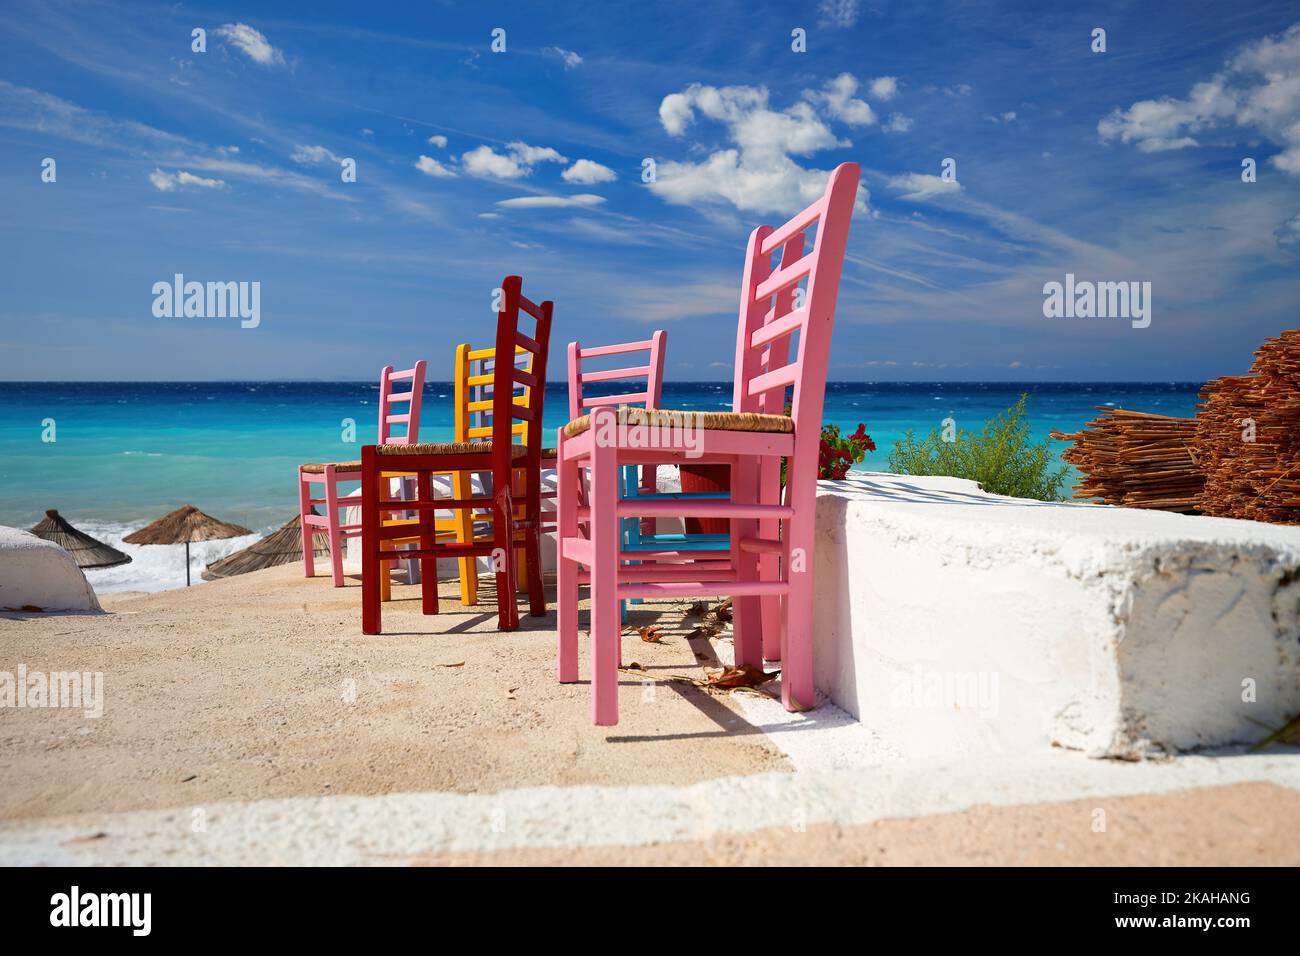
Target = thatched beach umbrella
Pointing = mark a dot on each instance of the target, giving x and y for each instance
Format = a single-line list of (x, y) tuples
[(187, 523), (85, 550), (278, 547)]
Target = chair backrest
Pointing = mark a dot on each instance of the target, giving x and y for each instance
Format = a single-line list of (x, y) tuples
[(507, 408), (411, 398), (473, 391), (652, 372), (769, 317)]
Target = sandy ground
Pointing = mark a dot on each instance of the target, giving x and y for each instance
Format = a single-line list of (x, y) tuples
[(273, 731), (256, 702)]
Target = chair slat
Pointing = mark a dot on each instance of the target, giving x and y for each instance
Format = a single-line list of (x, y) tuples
[(615, 374), (777, 328), (786, 375)]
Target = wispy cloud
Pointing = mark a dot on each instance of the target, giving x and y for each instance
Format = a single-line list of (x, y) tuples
[(921, 187), (570, 59), (840, 14), (313, 155), (168, 182), (551, 202)]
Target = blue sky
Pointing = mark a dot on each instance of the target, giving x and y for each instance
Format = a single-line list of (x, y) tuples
[(471, 165)]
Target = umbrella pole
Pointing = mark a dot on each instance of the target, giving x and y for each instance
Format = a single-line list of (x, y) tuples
[(187, 564)]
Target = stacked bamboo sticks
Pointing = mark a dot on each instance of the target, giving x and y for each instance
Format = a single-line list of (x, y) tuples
[(1248, 437), (1137, 460)]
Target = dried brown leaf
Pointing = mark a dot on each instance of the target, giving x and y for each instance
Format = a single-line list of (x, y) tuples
[(744, 676), (650, 634)]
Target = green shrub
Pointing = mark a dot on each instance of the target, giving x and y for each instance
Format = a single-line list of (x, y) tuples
[(1000, 457)]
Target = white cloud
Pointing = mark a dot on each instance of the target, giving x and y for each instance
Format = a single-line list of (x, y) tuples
[(431, 167), (529, 155), (758, 173), (251, 43), (883, 88), (1258, 91), (587, 172), (482, 161), (841, 14), (571, 59), (228, 150), (516, 163), (551, 202), (169, 182), (841, 103), (438, 140), (269, 175), (897, 123), (312, 155), (922, 187)]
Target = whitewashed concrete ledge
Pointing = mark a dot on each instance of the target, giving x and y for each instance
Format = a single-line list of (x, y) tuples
[(952, 621), (38, 573)]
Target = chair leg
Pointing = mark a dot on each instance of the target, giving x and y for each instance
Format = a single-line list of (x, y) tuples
[(463, 487), (796, 647), (605, 630), (371, 622), (332, 515), (385, 581), (428, 542), (746, 610), (769, 565), (503, 538), (308, 532), (533, 546), (566, 597)]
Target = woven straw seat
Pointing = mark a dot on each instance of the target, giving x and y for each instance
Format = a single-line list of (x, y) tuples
[(669, 418), (318, 468), (447, 448), (435, 448)]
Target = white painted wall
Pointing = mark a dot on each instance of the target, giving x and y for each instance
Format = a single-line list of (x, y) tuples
[(1109, 630)]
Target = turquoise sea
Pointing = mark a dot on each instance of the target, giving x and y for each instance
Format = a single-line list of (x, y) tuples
[(127, 452)]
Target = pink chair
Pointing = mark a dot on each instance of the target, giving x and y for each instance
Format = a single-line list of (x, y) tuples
[(331, 473), (652, 371), (752, 439)]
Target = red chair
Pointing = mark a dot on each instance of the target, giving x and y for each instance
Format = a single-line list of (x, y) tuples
[(501, 457)]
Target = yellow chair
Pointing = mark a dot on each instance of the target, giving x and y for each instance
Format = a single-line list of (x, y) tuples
[(473, 422)]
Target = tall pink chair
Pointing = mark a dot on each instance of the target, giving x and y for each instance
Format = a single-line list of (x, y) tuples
[(330, 474), (752, 439)]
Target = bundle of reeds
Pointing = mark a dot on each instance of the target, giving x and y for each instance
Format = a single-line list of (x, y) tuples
[(1248, 437), (1136, 459)]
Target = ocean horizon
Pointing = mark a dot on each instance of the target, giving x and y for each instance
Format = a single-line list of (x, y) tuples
[(125, 453)]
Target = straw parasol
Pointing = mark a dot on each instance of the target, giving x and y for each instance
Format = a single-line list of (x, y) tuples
[(187, 523), (278, 547), (85, 550)]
